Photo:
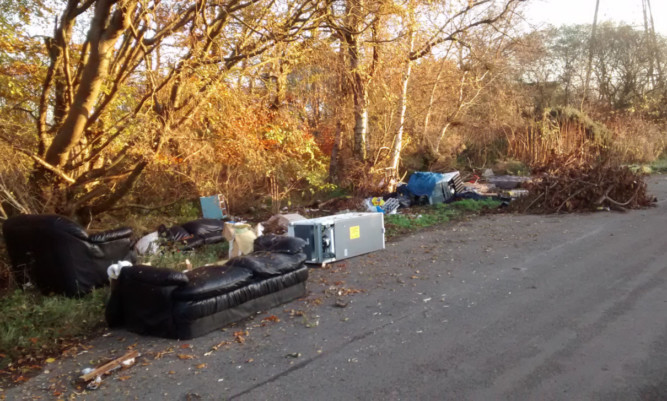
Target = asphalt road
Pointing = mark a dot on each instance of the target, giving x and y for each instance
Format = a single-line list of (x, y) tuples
[(501, 307)]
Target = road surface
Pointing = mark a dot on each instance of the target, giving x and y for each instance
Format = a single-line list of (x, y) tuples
[(502, 307)]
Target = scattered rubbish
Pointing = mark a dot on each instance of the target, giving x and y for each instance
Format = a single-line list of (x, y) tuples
[(94, 384), (479, 187), (240, 237), (517, 193), (94, 376), (293, 355), (149, 244), (113, 271), (374, 204), (435, 187), (213, 207), (378, 204), (278, 223), (508, 181)]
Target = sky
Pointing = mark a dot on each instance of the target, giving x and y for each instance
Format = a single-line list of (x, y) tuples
[(567, 12)]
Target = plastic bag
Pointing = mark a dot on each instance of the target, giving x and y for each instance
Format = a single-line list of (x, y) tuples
[(240, 237)]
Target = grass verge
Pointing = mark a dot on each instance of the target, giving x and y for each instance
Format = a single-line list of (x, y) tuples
[(660, 165), (428, 216), (35, 327)]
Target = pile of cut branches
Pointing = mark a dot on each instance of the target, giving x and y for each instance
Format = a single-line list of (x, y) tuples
[(573, 184)]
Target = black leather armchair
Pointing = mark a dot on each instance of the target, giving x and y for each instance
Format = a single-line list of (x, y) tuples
[(58, 256)]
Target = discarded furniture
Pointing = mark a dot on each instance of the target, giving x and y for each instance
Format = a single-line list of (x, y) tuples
[(58, 256), (167, 303), (340, 236), (193, 233), (213, 207)]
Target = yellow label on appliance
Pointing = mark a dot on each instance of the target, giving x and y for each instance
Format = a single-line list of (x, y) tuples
[(354, 232)]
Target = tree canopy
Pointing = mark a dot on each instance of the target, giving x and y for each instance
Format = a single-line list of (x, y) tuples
[(143, 101)]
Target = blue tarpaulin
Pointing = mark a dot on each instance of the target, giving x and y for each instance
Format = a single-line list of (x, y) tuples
[(423, 182)]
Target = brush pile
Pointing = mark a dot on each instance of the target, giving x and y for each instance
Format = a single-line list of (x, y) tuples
[(573, 184)]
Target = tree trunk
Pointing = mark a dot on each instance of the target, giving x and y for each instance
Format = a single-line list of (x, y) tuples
[(590, 52), (360, 96), (333, 162), (343, 91), (403, 104), (443, 131), (425, 142), (104, 31)]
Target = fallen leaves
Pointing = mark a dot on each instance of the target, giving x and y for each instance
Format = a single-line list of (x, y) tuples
[(216, 347), (294, 312), (271, 318), (310, 323), (240, 336), (185, 356), (341, 291), (315, 302), (160, 354)]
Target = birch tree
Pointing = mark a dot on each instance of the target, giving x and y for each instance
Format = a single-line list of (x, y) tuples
[(459, 19)]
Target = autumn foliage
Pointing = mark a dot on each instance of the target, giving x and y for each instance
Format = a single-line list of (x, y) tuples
[(133, 103)]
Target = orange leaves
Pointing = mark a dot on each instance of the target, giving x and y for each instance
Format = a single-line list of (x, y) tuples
[(271, 318), (240, 336), (168, 160)]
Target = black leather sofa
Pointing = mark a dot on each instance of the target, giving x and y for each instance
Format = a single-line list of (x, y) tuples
[(194, 233), (58, 256), (167, 303)]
